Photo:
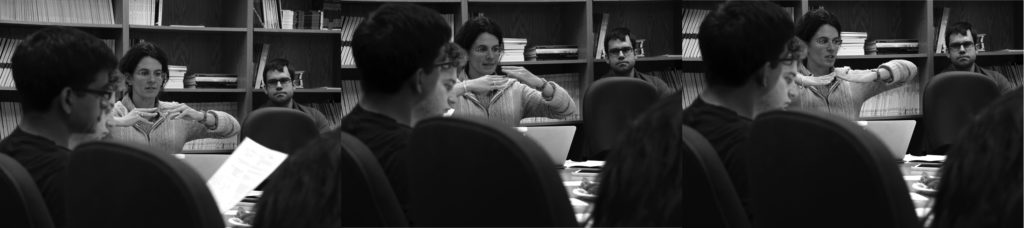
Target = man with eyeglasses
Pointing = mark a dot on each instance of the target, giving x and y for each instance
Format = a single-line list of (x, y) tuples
[(621, 59), (279, 80), (63, 76), (962, 52)]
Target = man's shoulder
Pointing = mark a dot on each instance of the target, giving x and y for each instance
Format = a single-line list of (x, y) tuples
[(30, 150), (701, 115)]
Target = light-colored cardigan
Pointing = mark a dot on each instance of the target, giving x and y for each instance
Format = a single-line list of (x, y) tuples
[(845, 98), (169, 135), (515, 101)]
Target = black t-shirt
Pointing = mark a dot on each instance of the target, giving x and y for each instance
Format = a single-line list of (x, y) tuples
[(727, 132), (387, 139), (46, 162)]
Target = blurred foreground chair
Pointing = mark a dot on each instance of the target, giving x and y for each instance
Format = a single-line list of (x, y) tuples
[(366, 194), (951, 100), (610, 106), (23, 205)]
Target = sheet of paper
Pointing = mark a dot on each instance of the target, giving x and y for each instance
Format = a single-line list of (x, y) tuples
[(248, 165), (926, 158), (588, 164)]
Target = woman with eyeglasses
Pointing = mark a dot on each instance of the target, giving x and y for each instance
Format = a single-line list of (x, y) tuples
[(141, 117), (839, 90), (505, 98)]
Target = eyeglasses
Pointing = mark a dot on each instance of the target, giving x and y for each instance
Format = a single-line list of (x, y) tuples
[(144, 73), (282, 81), (966, 45), (105, 103), (824, 41), (482, 50), (447, 65), (623, 51)]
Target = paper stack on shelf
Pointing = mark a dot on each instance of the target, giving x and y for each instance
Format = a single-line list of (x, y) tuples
[(514, 50), (853, 43), (691, 26), (177, 77), (555, 52), (211, 80), (896, 46)]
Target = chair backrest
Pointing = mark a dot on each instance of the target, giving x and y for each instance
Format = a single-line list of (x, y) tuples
[(114, 184), (951, 100), (609, 106), (709, 198), (23, 204), (474, 172), (811, 169), (281, 129), (366, 194)]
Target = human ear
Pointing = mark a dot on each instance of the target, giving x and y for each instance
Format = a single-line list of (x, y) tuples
[(65, 100)]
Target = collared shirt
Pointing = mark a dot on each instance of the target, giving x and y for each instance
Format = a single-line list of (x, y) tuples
[(1002, 83), (513, 102), (46, 162), (387, 139), (322, 124), (660, 86)]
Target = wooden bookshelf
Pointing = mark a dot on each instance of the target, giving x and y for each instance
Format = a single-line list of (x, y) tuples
[(225, 42)]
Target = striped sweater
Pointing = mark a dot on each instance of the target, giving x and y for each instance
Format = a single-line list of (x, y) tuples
[(514, 102), (169, 135), (845, 98)]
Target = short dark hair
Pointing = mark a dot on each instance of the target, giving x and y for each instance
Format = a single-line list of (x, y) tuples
[(54, 58), (135, 55), (810, 22), (305, 191), (642, 180), (739, 37), (960, 28), (619, 33), (981, 178), (278, 64), (473, 28), (395, 41)]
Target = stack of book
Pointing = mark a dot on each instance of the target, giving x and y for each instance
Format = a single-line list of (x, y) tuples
[(177, 77), (896, 46), (902, 101), (10, 116), (347, 30), (228, 143), (67, 11), (145, 12), (515, 49), (268, 13), (555, 52), (692, 18), (210, 80), (853, 43), (571, 83), (7, 47), (306, 19), (350, 94)]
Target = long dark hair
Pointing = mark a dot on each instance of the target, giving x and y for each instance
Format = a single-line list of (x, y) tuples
[(641, 182), (981, 178), (305, 191)]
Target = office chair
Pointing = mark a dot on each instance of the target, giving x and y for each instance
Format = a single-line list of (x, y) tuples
[(281, 129), (709, 198), (609, 107), (366, 194), (811, 169), (951, 100), (23, 205), (474, 172), (125, 185)]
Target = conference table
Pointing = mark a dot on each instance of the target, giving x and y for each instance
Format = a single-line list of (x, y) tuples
[(572, 177)]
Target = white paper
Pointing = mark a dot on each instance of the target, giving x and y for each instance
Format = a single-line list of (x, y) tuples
[(588, 163), (926, 158), (247, 166)]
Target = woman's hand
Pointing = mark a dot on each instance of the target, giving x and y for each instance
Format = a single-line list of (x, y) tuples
[(524, 76), (134, 116), (485, 83), (184, 112)]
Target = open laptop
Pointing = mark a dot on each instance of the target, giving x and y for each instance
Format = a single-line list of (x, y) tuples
[(555, 140), (895, 134)]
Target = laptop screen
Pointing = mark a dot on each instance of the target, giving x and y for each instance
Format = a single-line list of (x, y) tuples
[(555, 140), (895, 134)]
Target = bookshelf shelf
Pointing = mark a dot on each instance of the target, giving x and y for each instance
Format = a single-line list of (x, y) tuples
[(75, 25), (186, 28), (554, 123), (208, 90), (994, 53), (658, 59), (295, 31), (307, 91), (634, 0), (416, 1), (8, 89), (900, 117), (892, 56), (524, 1), (545, 62)]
